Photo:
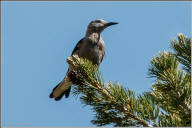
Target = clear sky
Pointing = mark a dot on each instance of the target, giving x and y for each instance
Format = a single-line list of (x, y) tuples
[(37, 38)]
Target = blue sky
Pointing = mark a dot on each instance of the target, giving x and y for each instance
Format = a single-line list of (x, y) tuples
[(37, 37)]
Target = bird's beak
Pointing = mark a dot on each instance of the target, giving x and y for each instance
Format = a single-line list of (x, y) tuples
[(110, 23)]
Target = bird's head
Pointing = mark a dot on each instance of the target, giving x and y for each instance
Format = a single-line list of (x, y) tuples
[(99, 25)]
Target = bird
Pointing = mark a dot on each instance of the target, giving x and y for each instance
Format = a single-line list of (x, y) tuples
[(91, 47)]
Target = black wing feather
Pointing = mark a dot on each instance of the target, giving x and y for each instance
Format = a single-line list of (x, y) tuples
[(102, 57), (77, 47)]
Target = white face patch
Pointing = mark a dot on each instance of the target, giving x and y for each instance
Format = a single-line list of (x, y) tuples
[(98, 23)]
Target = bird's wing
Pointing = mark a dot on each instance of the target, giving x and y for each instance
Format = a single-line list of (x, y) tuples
[(77, 47)]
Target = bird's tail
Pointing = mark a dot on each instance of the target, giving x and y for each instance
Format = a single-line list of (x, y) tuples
[(63, 88)]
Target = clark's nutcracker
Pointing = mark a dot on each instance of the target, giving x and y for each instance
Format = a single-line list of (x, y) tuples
[(91, 47)]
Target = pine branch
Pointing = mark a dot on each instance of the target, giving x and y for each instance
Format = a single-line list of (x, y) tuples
[(112, 103), (182, 49), (172, 90), (168, 104)]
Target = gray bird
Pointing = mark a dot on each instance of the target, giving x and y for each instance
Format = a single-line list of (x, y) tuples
[(91, 47)]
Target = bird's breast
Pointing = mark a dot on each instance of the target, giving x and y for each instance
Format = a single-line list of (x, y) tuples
[(93, 50)]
